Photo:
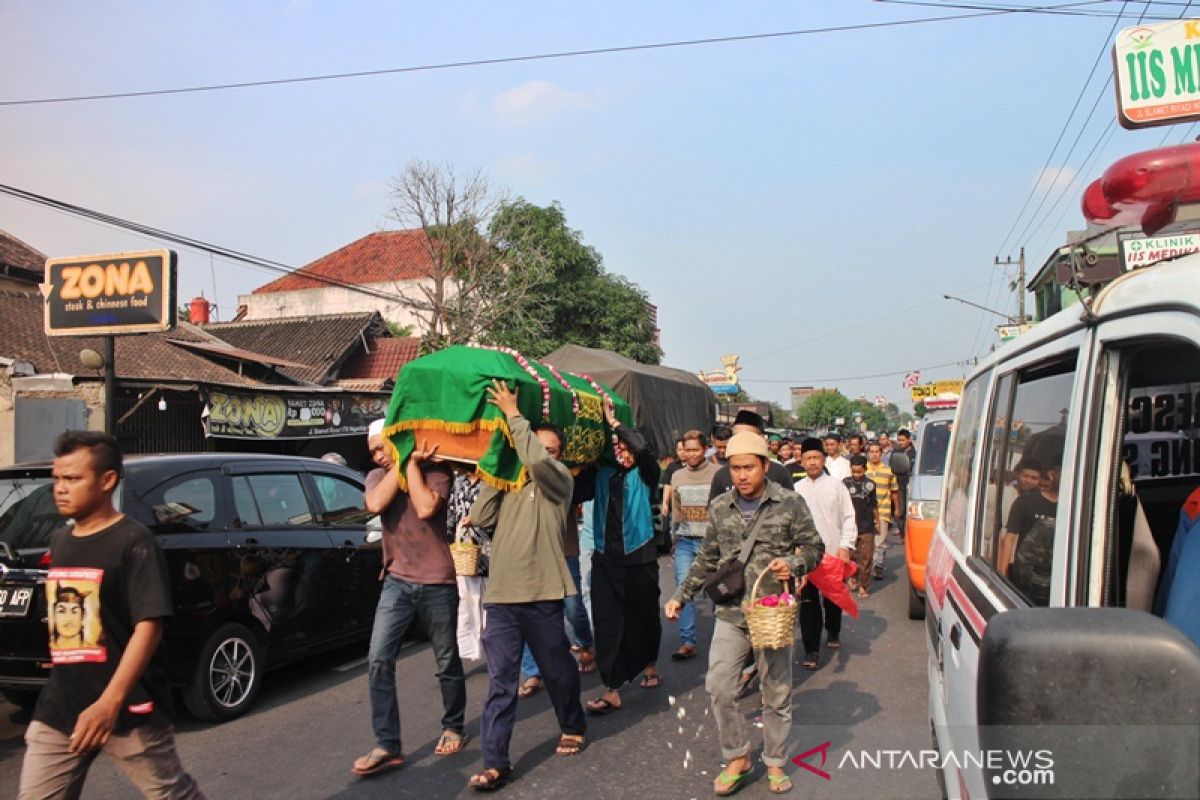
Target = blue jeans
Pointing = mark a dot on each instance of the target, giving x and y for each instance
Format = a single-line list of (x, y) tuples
[(686, 548), (400, 602), (576, 614), (539, 627)]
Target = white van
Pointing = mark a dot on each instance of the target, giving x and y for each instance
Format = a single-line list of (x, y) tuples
[(1075, 450)]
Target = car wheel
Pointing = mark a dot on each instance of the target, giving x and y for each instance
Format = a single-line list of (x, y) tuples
[(228, 675), (916, 603), (24, 699)]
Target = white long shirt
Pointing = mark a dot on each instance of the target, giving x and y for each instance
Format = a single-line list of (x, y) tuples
[(832, 511), (838, 467)]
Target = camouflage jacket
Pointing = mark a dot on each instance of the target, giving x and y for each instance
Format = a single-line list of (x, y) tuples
[(786, 531)]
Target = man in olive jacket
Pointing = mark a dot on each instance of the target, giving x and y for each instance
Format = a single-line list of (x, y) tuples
[(528, 581), (788, 545)]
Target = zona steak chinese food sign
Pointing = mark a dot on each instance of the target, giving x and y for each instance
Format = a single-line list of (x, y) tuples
[(110, 294)]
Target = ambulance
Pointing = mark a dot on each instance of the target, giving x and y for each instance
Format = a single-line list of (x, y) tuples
[(1063, 579)]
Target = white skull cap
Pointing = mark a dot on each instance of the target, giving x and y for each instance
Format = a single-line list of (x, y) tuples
[(375, 428)]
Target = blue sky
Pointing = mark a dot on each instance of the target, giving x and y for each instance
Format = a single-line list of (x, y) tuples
[(803, 201)]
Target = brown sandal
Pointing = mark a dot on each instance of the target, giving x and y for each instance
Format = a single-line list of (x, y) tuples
[(450, 743), (570, 744), (375, 761), (529, 688), (490, 779)]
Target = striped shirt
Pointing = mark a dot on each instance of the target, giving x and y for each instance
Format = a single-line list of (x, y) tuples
[(885, 484)]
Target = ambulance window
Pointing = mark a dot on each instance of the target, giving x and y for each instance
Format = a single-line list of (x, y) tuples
[(1025, 466), (1160, 450), (1000, 427), (962, 457)]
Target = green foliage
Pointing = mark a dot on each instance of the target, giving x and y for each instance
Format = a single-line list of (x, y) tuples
[(398, 330), (820, 409), (580, 303), (919, 410)]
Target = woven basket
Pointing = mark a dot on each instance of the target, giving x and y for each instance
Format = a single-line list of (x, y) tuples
[(771, 627), (465, 554)]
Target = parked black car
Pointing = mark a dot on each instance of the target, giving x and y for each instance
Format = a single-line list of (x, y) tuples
[(272, 558)]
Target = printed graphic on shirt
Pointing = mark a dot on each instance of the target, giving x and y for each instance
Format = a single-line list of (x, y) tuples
[(73, 612)]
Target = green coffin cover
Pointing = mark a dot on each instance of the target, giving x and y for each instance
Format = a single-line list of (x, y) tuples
[(446, 390)]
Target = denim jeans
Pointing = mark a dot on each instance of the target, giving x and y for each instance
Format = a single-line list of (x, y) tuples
[(576, 611), (436, 605), (539, 628), (686, 548)]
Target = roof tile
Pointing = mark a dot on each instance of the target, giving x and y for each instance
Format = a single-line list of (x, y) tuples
[(375, 258), (322, 343)]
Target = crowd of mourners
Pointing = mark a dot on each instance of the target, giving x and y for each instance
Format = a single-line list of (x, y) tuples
[(562, 553), (567, 580)]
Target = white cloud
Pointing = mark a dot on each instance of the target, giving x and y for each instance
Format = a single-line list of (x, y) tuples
[(1054, 179), (538, 101)]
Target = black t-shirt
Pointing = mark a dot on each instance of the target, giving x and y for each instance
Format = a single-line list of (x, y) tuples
[(98, 588), (776, 473), (865, 502), (671, 469), (1032, 519)]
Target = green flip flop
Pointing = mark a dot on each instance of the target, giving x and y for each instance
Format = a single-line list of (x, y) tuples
[(729, 783), (779, 784)]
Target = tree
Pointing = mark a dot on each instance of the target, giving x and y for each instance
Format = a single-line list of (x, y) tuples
[(581, 302), (919, 409), (473, 283), (821, 409)]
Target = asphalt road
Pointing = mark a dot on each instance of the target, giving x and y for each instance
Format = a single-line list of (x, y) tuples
[(312, 720)]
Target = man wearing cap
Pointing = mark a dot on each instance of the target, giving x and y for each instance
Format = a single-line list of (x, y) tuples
[(418, 582), (833, 513), (747, 421), (787, 544)]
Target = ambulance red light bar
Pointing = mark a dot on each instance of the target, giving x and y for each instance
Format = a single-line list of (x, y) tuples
[(1145, 188)]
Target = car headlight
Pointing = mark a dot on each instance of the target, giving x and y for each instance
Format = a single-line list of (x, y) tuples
[(924, 509)]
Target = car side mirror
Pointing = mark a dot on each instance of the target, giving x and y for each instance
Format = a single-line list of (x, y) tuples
[(900, 463), (1111, 695)]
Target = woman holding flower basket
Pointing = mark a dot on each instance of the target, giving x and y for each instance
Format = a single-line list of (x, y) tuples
[(755, 527)]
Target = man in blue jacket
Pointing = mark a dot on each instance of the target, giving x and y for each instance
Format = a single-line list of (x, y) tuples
[(624, 566)]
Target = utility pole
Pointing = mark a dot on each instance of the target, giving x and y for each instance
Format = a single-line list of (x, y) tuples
[(1020, 285)]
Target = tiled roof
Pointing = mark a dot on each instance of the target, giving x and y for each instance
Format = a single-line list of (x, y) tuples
[(384, 361), (322, 343), (15, 253), (375, 258), (148, 357)]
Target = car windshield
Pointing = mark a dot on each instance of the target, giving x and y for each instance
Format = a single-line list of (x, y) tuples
[(931, 458), (27, 512)]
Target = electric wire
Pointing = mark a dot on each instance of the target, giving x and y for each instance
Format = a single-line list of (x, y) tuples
[(187, 241), (481, 62)]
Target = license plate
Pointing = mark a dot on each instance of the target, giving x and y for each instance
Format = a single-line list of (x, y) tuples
[(15, 600)]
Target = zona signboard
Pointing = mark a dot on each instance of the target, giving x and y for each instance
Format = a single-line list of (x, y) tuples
[(110, 294), (1157, 70)]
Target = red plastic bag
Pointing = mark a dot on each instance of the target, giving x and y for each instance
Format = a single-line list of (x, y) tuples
[(830, 579)]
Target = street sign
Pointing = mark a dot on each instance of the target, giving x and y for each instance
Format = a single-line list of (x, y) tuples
[(943, 391), (110, 294), (1009, 332), (1142, 251), (1157, 70)]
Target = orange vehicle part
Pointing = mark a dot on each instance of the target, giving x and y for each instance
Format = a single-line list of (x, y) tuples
[(918, 535)]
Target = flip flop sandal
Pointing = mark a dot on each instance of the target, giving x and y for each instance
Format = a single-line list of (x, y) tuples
[(377, 761), (779, 784), (729, 784), (833, 644), (529, 688), (490, 780), (458, 740), (599, 707), (570, 745), (650, 681), (811, 661)]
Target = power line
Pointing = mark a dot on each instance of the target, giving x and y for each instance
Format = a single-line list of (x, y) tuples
[(848, 378), (481, 62), (1057, 12), (187, 241), (1063, 132)]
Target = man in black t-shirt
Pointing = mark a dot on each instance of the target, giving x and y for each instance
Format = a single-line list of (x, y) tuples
[(107, 600), (1027, 547)]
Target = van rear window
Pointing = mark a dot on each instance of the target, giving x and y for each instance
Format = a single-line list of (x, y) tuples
[(935, 443)]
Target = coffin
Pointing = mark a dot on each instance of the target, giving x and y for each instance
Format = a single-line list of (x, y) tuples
[(441, 399)]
